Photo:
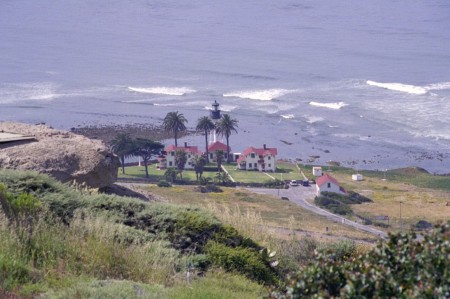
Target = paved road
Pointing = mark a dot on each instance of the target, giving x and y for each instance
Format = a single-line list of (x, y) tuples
[(300, 194)]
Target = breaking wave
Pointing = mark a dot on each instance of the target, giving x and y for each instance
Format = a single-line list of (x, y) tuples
[(172, 91), (288, 116), (336, 106), (261, 95), (438, 86), (412, 89), (10, 93)]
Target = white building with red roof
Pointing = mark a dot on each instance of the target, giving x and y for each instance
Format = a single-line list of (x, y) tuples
[(327, 183), (169, 159), (219, 146), (261, 159)]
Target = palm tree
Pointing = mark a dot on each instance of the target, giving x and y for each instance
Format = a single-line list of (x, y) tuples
[(205, 124), (199, 162), (225, 127), (122, 146), (174, 122), (146, 148), (180, 161)]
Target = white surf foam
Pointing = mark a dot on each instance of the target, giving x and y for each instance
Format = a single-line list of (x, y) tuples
[(337, 105), (314, 119), (412, 89), (438, 86), (288, 116), (172, 91), (10, 93), (261, 95)]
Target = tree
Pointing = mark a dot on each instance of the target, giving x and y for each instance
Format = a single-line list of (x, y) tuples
[(122, 145), (225, 127), (170, 175), (199, 162), (219, 159), (180, 161), (146, 148), (205, 124), (174, 123)]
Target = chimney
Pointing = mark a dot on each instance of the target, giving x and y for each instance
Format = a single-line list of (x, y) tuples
[(265, 146), (185, 144)]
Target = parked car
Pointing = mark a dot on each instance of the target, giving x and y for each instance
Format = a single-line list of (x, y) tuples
[(293, 183), (305, 183)]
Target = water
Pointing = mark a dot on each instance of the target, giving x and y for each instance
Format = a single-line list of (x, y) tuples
[(367, 84)]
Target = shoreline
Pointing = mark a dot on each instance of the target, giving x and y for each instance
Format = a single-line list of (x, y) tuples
[(106, 133)]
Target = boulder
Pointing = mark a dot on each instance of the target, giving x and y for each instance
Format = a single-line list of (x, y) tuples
[(63, 155)]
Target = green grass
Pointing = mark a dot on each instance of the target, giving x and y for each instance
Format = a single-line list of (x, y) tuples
[(157, 174), (284, 171)]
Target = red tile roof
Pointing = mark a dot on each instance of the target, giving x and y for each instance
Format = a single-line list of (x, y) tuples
[(325, 179), (217, 146), (187, 149), (259, 151)]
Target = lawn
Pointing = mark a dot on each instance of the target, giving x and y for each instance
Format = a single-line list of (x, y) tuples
[(157, 174), (285, 171)]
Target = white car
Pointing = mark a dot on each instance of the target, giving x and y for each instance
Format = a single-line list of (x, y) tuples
[(293, 183)]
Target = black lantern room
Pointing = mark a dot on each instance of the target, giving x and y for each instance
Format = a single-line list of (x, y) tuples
[(215, 113)]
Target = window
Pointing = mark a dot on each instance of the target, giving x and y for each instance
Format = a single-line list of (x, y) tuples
[(172, 154), (268, 158), (189, 156), (328, 185), (249, 165), (211, 155), (170, 163), (252, 155), (269, 165)]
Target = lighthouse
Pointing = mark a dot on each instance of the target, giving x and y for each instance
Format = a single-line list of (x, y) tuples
[(215, 112), (215, 116)]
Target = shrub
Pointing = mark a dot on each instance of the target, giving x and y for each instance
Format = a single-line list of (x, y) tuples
[(209, 188), (164, 184), (401, 267), (244, 260)]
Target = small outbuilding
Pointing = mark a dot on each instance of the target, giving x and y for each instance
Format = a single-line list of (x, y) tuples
[(317, 171), (357, 177), (327, 183)]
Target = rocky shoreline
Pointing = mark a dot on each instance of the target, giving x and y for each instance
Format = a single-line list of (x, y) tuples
[(106, 133)]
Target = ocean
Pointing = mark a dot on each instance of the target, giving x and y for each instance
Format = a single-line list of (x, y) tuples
[(365, 83)]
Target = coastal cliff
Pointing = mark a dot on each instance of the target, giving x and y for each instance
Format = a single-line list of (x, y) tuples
[(63, 155)]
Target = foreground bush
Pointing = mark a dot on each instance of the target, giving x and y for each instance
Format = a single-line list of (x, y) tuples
[(402, 267)]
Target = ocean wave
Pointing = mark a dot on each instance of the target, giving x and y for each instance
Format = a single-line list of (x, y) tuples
[(313, 119), (288, 116), (438, 86), (172, 91), (223, 108), (337, 105), (261, 95), (16, 92), (412, 89)]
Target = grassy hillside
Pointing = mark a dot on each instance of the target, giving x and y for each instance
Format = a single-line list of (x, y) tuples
[(62, 243)]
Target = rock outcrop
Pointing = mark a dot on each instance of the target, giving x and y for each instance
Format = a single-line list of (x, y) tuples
[(63, 155)]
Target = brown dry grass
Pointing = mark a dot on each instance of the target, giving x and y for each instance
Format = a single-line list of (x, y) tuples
[(249, 212), (416, 203)]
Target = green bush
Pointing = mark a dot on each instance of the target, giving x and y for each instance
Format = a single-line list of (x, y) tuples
[(274, 183), (244, 260), (164, 183), (401, 267)]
